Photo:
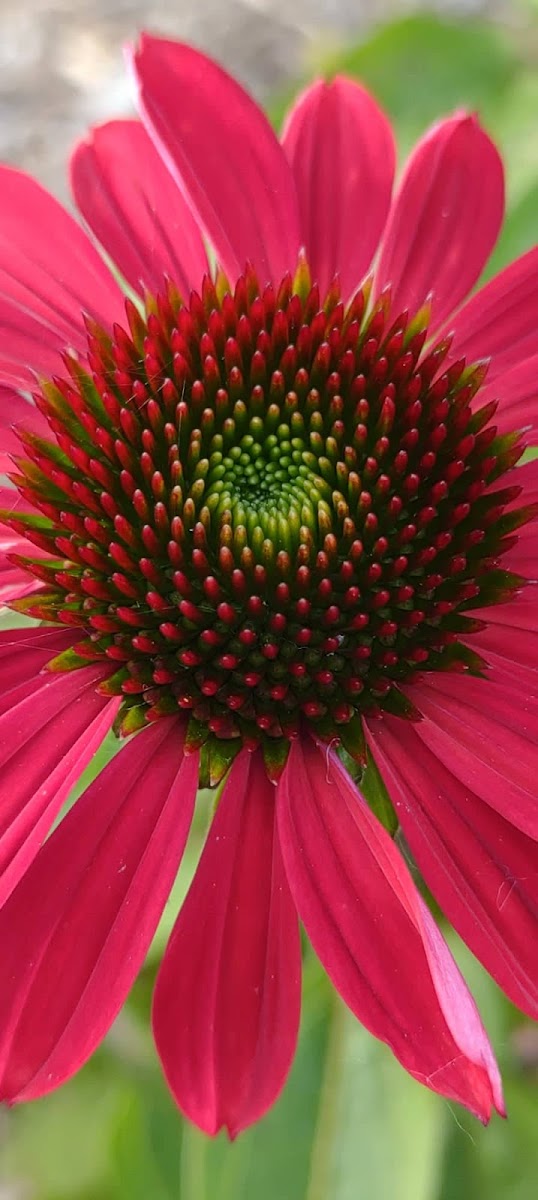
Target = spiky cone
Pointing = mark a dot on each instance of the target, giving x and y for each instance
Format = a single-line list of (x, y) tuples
[(269, 519)]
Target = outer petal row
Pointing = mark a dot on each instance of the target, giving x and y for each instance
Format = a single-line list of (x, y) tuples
[(50, 727), (341, 149), (516, 391), (445, 219), (50, 275), (455, 166), (15, 581), (225, 164), (88, 909), (227, 999), (487, 739), (480, 868), (224, 155), (18, 413), (375, 936), (226, 159), (135, 208), (501, 320)]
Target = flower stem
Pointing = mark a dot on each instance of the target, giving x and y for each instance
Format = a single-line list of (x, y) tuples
[(327, 1118)]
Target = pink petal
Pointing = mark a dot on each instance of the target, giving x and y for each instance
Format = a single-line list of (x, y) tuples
[(341, 149), (374, 934), (518, 681), (14, 411), (135, 208), (445, 218), (516, 391), (512, 627), (489, 741), (523, 556), (519, 646), (227, 998), (50, 727), (481, 870), (77, 929), (25, 652), (226, 158), (14, 581), (527, 477), (49, 275), (33, 347), (501, 320), (521, 612), (11, 500)]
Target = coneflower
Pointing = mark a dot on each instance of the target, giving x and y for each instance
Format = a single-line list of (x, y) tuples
[(268, 519)]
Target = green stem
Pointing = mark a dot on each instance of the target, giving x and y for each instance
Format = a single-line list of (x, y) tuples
[(318, 1184), (192, 1169)]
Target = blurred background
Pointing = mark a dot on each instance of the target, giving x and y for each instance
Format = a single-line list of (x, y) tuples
[(350, 1124)]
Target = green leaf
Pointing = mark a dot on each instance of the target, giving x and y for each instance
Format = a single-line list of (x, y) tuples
[(514, 125), (380, 1133), (499, 1162), (146, 1144), (423, 67), (57, 1148)]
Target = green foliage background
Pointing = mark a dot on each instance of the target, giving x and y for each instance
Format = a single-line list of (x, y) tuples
[(350, 1123)]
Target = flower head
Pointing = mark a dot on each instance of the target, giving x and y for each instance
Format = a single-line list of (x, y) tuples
[(270, 519)]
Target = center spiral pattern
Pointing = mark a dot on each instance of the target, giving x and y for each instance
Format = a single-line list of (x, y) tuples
[(267, 510)]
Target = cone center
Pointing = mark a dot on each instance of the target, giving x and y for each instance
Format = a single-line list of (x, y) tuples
[(268, 511), (266, 487)]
